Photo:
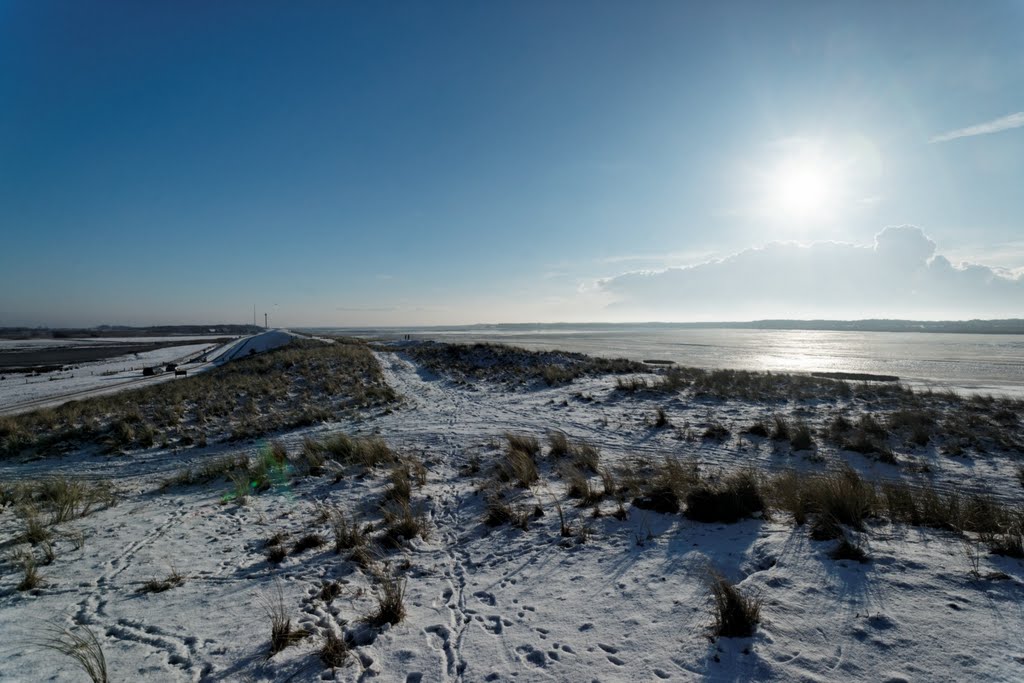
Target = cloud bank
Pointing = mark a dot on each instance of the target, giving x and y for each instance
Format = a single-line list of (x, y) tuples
[(899, 276), (995, 126)]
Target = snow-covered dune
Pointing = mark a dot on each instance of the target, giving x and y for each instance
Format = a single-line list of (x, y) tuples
[(618, 599)]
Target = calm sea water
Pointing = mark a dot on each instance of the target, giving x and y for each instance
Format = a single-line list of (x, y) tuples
[(974, 363)]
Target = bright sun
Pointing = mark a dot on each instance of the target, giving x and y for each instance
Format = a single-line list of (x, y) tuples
[(804, 187)]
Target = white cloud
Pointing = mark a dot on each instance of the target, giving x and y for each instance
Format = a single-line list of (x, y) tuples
[(995, 126), (899, 275)]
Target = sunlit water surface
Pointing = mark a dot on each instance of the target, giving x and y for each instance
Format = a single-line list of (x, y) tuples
[(975, 363)]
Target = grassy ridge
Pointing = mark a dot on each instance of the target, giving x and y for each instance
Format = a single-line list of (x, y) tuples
[(299, 384)]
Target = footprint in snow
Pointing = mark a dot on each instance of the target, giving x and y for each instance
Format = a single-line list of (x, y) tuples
[(485, 597)]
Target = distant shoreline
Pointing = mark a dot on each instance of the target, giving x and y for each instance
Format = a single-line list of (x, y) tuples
[(1002, 326)]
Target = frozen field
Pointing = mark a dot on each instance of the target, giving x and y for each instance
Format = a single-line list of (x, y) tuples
[(20, 392), (616, 600)]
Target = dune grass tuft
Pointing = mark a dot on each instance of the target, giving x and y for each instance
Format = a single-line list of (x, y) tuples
[(736, 615)]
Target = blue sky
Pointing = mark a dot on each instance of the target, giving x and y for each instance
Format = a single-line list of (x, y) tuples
[(435, 163)]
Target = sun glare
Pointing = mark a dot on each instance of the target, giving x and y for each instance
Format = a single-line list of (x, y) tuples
[(804, 188)]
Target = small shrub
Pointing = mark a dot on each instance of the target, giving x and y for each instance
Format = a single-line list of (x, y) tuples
[(666, 486), (586, 456), (736, 615), (277, 539), (368, 453), (363, 556), (310, 460), (276, 554), (564, 529), (845, 496)]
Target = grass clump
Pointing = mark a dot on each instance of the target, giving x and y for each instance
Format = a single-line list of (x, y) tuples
[(847, 550), (800, 437), (30, 577), (577, 485), (403, 524), (390, 601), (737, 496), (281, 632), (518, 466), (735, 615), (173, 580), (521, 442), (347, 534), (631, 385), (559, 444), (307, 542), (79, 644), (335, 651), (63, 498), (665, 486), (366, 452), (759, 428), (498, 512), (213, 470), (716, 431)]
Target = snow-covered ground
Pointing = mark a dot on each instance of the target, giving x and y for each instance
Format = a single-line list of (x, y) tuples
[(20, 392), (23, 392), (36, 344), (499, 604)]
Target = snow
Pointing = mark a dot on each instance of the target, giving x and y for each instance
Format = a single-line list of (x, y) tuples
[(259, 343), (36, 344), (22, 392), (631, 604)]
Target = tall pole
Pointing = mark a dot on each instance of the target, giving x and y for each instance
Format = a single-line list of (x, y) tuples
[(265, 321)]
